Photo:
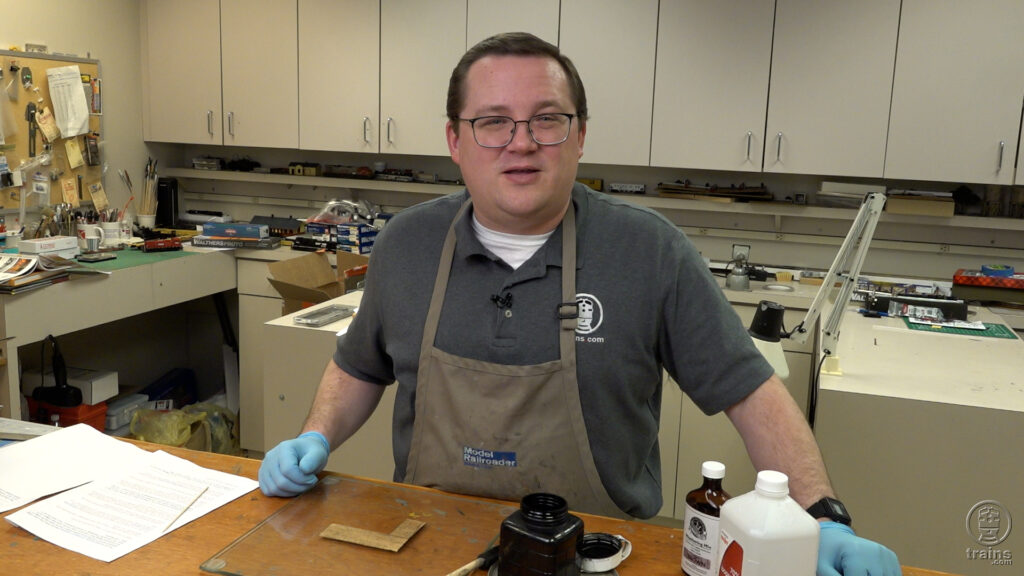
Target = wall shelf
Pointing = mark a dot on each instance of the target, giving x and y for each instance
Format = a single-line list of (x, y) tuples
[(315, 181), (778, 210)]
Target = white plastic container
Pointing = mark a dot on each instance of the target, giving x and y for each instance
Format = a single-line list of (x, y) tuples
[(766, 533)]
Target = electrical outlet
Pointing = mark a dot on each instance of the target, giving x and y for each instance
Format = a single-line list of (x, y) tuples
[(741, 252)]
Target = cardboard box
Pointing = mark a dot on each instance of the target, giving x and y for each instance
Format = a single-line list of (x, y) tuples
[(47, 245), (96, 385), (236, 230), (310, 279), (920, 205)]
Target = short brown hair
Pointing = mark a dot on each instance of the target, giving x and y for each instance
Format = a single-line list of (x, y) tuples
[(513, 44)]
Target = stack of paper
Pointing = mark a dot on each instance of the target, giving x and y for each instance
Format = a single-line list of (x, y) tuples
[(117, 497)]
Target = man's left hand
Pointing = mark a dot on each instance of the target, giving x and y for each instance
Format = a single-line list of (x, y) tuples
[(843, 553)]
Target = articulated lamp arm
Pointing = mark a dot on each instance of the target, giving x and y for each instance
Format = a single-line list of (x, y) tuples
[(845, 269)]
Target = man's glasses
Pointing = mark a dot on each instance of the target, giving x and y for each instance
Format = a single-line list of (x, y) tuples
[(498, 131)]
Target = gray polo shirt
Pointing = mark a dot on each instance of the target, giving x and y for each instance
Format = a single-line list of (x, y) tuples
[(647, 302)]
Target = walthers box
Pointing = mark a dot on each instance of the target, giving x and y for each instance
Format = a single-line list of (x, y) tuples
[(236, 230), (50, 244)]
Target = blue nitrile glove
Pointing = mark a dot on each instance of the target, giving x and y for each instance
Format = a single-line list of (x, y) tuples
[(291, 467), (841, 552)]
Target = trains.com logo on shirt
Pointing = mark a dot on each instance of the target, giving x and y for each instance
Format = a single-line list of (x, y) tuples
[(591, 315)]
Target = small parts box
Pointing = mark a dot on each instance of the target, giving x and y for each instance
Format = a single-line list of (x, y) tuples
[(119, 412), (92, 414)]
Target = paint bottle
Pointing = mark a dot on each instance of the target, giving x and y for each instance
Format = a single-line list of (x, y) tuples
[(766, 533), (540, 538), (700, 524)]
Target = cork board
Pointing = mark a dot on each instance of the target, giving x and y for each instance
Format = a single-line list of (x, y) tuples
[(73, 183)]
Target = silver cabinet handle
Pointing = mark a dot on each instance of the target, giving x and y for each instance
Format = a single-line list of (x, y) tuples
[(366, 129), (778, 147), (390, 122), (231, 124), (750, 137), (209, 122), (999, 164)]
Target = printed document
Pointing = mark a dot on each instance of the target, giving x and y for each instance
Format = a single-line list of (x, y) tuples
[(62, 459), (111, 517), (70, 109)]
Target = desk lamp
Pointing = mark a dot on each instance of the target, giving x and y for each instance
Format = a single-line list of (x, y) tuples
[(766, 328)]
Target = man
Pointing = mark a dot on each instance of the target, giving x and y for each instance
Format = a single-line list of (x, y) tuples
[(525, 362)]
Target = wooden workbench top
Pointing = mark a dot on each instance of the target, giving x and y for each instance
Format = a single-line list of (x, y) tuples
[(656, 549)]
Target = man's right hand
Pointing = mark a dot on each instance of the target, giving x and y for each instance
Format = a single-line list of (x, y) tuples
[(291, 467)]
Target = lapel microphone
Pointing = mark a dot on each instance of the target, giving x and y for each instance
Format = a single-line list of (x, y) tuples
[(502, 301)]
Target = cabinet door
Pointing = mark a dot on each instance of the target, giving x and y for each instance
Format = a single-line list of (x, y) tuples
[(618, 73), (339, 75), (486, 18), (956, 102), (421, 42), (181, 71), (831, 83), (259, 55), (711, 84)]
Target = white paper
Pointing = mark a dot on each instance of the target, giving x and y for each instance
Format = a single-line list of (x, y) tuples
[(60, 460), (70, 109), (109, 518)]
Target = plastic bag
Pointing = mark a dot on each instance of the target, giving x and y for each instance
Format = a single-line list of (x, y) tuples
[(171, 428), (223, 426), (341, 211), (202, 426)]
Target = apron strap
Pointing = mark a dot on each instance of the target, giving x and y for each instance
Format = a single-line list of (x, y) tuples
[(568, 310), (444, 269)]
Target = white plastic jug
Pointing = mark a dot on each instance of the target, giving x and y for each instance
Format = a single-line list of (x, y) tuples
[(766, 533)]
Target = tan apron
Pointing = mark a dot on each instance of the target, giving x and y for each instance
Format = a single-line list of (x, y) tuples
[(503, 431)]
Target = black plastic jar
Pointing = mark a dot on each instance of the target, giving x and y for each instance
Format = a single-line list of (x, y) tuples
[(540, 538)]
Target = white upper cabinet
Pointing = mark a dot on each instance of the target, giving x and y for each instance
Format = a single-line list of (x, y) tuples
[(339, 75), (711, 84), (420, 44), (259, 55), (181, 71), (612, 44), (489, 17), (957, 94), (831, 82)]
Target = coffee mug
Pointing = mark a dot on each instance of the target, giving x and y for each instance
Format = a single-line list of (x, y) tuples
[(111, 234), (86, 231)]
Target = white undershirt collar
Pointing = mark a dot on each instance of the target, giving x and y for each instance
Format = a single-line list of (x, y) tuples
[(514, 249)]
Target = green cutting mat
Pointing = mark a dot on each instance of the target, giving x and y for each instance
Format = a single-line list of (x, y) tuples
[(991, 330), (130, 257)]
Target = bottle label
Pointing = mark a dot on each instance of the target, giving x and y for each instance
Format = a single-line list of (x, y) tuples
[(700, 543), (732, 556)]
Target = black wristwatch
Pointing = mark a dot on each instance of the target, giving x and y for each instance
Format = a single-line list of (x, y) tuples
[(830, 508)]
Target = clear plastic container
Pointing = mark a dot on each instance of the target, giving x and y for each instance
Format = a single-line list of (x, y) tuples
[(766, 533)]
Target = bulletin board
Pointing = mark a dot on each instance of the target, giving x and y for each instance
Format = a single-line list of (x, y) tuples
[(67, 180)]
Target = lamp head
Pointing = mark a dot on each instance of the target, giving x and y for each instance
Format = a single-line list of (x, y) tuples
[(766, 333), (767, 322)]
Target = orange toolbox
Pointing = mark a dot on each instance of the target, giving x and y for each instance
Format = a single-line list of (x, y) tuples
[(94, 415)]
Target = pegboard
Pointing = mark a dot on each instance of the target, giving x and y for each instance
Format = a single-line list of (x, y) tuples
[(65, 183)]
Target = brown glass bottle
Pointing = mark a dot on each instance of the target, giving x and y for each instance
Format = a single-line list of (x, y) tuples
[(700, 524)]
